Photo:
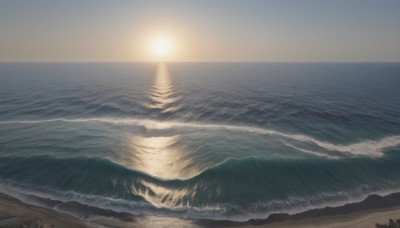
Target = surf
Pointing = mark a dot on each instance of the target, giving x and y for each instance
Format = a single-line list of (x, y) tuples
[(367, 147), (267, 185)]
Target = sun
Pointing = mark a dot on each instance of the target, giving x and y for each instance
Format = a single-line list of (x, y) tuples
[(162, 47)]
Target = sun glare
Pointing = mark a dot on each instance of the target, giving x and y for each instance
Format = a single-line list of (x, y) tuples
[(162, 47)]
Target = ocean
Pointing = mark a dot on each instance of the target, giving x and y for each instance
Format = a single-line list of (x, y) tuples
[(219, 141)]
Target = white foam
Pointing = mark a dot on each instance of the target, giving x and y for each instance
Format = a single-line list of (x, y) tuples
[(292, 205), (372, 148), (320, 154)]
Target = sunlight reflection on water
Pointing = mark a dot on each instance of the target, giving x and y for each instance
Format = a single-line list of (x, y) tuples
[(162, 92), (161, 157)]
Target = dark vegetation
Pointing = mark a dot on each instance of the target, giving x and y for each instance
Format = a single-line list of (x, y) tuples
[(392, 224)]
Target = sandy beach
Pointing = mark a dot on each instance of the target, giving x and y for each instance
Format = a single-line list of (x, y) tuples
[(14, 213), (363, 219)]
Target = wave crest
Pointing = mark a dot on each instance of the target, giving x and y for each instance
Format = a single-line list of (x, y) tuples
[(233, 188), (372, 148)]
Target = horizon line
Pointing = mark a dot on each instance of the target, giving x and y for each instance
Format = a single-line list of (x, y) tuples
[(201, 61)]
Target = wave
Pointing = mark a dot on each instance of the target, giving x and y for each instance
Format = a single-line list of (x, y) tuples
[(240, 189), (372, 148)]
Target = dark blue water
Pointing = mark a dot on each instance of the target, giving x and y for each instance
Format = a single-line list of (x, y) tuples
[(199, 140)]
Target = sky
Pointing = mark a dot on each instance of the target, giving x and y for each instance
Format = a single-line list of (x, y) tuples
[(206, 30)]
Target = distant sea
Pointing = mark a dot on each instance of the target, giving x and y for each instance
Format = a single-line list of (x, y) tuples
[(220, 141)]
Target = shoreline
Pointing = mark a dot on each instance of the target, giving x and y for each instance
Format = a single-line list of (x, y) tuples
[(374, 209), (372, 204), (15, 213), (360, 219)]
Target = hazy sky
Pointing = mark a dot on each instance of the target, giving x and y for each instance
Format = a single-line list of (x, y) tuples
[(206, 30)]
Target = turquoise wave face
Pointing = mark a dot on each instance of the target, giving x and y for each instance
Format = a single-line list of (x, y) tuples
[(264, 185), (231, 141)]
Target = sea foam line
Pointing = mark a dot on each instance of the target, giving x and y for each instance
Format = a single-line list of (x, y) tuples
[(292, 205), (372, 148)]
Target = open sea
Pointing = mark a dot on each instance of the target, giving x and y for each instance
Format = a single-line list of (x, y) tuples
[(219, 141)]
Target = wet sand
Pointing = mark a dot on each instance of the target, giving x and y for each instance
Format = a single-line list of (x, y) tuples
[(14, 213), (363, 219)]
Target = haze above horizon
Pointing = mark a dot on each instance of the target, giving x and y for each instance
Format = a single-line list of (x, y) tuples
[(275, 31)]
